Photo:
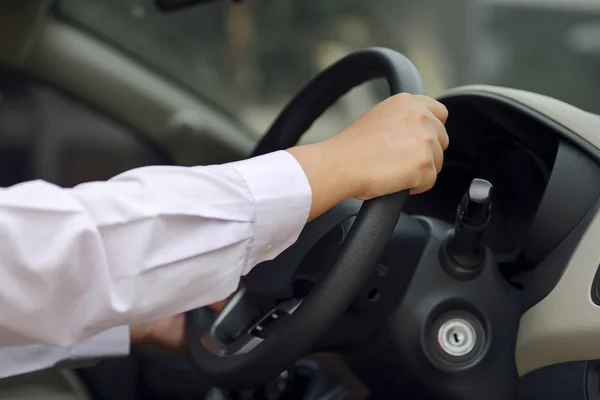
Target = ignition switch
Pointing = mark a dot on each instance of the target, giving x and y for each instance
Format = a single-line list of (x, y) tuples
[(456, 340)]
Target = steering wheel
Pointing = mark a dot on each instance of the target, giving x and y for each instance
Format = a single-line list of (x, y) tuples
[(248, 356)]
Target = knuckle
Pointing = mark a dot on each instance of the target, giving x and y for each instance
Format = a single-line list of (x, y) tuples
[(425, 159), (430, 179), (405, 98), (421, 117), (425, 163), (413, 181), (428, 139), (424, 139)]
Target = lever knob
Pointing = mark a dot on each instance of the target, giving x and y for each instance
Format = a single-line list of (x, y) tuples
[(476, 207), (463, 247)]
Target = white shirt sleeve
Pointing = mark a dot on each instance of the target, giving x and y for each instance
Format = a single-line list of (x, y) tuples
[(18, 360), (149, 243)]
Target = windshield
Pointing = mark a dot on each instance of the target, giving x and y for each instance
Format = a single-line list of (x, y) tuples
[(251, 58)]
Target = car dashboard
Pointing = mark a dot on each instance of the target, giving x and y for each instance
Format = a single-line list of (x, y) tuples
[(534, 170), (545, 194), (512, 152)]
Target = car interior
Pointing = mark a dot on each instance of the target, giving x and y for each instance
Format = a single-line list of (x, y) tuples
[(483, 287)]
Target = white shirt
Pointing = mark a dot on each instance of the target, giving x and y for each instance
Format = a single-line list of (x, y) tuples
[(78, 266)]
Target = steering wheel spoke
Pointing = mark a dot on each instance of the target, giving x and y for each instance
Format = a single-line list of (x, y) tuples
[(241, 326), (275, 277)]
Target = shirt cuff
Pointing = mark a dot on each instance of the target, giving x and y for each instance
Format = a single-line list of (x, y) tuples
[(282, 199)]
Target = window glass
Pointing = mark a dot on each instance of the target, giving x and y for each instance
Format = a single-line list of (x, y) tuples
[(49, 136), (252, 57)]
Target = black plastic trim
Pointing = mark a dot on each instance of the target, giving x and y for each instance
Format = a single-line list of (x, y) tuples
[(543, 279), (555, 126), (174, 5), (592, 380), (595, 292), (565, 381), (574, 181)]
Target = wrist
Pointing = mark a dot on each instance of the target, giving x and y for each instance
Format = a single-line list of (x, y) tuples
[(343, 178), (328, 173)]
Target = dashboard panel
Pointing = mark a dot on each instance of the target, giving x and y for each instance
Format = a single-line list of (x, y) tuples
[(546, 194), (511, 151), (545, 186)]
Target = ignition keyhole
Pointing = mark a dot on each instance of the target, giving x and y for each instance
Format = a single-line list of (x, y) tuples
[(457, 337)]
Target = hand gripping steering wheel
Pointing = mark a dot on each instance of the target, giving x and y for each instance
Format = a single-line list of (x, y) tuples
[(290, 330)]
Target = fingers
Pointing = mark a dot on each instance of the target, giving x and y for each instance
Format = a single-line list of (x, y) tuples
[(435, 134), (440, 112), (437, 115), (442, 135), (438, 109), (404, 147), (438, 154), (429, 182)]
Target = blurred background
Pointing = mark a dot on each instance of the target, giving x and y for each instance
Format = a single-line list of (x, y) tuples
[(251, 58), (246, 60)]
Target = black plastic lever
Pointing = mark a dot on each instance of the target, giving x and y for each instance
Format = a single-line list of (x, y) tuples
[(463, 248)]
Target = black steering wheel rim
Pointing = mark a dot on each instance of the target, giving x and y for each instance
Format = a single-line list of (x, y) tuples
[(359, 252)]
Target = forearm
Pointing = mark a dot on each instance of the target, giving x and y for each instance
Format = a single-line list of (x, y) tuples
[(148, 244)]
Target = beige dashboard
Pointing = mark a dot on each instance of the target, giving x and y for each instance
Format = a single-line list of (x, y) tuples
[(565, 325)]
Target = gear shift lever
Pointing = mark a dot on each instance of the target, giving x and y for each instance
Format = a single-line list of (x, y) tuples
[(463, 248)]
